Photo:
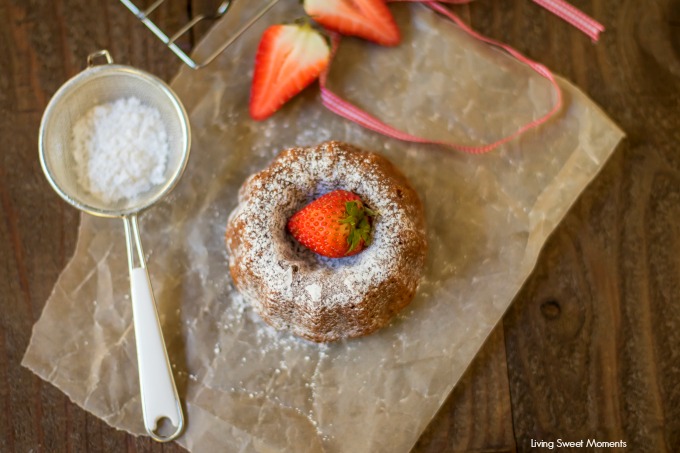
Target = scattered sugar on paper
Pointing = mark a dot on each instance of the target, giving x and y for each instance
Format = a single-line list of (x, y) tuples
[(120, 149)]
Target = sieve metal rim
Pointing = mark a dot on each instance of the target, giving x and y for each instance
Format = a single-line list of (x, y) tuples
[(103, 71)]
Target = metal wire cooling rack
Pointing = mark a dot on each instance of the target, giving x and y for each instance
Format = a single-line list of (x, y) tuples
[(169, 41)]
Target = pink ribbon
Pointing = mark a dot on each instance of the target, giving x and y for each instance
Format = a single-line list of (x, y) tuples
[(560, 8), (353, 113), (577, 18)]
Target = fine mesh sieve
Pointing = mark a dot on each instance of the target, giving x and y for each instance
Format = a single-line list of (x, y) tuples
[(98, 85), (95, 86)]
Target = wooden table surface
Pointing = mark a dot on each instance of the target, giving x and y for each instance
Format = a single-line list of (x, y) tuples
[(590, 347)]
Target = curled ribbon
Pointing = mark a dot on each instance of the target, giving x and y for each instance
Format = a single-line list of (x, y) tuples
[(353, 113)]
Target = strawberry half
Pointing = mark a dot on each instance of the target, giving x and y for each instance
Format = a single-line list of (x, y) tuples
[(335, 225), (289, 58), (368, 19)]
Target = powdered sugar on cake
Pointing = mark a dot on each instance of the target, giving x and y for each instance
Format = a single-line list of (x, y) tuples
[(296, 276)]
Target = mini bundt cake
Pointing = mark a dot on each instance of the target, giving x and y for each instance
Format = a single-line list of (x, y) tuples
[(317, 298)]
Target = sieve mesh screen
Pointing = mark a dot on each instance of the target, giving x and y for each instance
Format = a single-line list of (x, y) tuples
[(96, 86)]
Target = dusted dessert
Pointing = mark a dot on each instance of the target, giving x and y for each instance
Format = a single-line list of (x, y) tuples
[(316, 297)]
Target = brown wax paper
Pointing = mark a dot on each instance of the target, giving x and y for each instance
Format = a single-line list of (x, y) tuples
[(248, 388)]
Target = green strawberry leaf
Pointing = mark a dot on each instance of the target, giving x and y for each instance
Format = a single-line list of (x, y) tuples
[(364, 231), (357, 216)]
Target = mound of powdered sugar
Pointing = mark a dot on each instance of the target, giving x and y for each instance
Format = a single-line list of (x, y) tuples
[(120, 149)]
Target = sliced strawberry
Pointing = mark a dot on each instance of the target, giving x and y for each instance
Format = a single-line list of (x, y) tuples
[(368, 19), (289, 58)]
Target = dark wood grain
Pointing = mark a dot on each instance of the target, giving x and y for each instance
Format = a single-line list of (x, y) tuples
[(590, 347)]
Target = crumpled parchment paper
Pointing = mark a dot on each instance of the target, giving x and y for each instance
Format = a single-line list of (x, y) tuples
[(249, 388)]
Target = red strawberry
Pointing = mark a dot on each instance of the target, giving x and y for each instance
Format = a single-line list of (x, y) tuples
[(368, 19), (289, 58), (335, 225)]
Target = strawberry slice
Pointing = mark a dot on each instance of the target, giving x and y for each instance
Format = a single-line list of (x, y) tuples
[(368, 19), (289, 58)]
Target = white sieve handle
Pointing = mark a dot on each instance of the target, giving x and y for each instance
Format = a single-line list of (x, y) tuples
[(157, 386)]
